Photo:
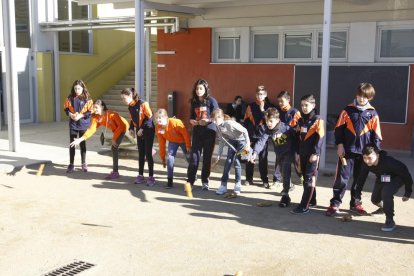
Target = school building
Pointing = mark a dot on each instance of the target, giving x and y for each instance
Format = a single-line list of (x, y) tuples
[(234, 45)]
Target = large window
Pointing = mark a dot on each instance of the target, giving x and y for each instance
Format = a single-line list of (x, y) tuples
[(298, 45), (338, 44), (397, 43), (229, 47), (265, 46), (74, 41), (22, 24)]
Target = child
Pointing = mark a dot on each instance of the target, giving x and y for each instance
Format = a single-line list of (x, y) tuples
[(78, 106), (391, 175), (283, 138), (311, 131), (143, 127), (236, 109), (253, 119), (204, 132), (289, 116), (173, 131), (112, 120), (357, 125), (237, 139)]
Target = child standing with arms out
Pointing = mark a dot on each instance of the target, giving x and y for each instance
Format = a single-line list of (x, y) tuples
[(253, 120), (283, 138), (237, 139), (78, 106), (311, 132), (143, 127), (173, 131), (289, 116), (357, 125), (109, 119), (391, 176), (204, 132)]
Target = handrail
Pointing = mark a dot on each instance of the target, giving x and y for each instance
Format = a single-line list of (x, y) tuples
[(108, 62)]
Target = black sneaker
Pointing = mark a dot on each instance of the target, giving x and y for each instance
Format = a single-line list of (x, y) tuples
[(169, 183), (266, 185), (285, 201), (312, 203), (389, 226), (300, 211), (378, 212)]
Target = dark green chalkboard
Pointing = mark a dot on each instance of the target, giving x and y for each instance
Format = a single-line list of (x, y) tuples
[(390, 83)]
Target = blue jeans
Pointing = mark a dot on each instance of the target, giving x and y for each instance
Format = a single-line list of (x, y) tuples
[(233, 158), (171, 153)]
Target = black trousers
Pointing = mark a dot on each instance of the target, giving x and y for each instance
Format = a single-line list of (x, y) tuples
[(201, 142), (115, 150), (385, 192), (262, 165), (284, 162), (310, 173), (72, 135), (145, 143)]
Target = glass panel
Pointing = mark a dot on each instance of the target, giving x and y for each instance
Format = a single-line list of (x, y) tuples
[(64, 42), (266, 45), (338, 45), (229, 48), (22, 24), (63, 10), (79, 12), (298, 46), (397, 43), (80, 41)]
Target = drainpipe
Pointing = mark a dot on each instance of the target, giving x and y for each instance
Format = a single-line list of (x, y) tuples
[(139, 48), (12, 90), (327, 14)]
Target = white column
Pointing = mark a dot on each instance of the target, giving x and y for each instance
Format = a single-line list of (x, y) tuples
[(148, 72), (325, 70), (139, 48), (56, 66), (12, 91)]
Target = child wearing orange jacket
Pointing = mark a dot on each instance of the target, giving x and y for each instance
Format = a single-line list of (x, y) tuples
[(112, 120), (173, 131)]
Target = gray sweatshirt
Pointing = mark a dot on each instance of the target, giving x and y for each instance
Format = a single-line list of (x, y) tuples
[(231, 130)]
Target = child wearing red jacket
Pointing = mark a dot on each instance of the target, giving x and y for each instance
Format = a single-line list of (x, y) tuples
[(173, 131)]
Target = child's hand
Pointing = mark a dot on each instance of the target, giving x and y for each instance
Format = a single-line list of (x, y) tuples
[(78, 116), (340, 150), (76, 142), (204, 122), (313, 158), (164, 164), (140, 132), (72, 115), (404, 198), (193, 122), (253, 158), (115, 144)]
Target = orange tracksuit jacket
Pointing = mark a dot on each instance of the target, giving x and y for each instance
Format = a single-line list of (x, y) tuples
[(115, 122), (175, 132)]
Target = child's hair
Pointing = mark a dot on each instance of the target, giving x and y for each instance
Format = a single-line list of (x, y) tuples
[(205, 96), (85, 93), (219, 112), (271, 113), (284, 94), (366, 90), (238, 97), (309, 98), (131, 92), (161, 113), (101, 104), (370, 148), (261, 88)]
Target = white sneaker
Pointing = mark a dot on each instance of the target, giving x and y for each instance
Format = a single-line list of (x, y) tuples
[(237, 188), (205, 187), (221, 190)]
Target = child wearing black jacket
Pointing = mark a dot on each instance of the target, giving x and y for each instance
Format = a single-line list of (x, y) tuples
[(391, 176), (283, 138)]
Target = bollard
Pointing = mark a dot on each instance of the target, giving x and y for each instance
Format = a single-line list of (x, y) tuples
[(40, 170)]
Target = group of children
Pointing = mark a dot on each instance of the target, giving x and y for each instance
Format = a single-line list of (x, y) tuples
[(297, 138)]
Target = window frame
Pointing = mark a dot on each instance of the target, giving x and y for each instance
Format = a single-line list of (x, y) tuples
[(335, 30), (298, 33), (388, 26), (242, 32), (264, 32)]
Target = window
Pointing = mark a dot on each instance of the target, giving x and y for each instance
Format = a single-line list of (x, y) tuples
[(338, 44), (229, 47), (74, 41), (265, 46), (22, 24), (298, 46), (397, 43)]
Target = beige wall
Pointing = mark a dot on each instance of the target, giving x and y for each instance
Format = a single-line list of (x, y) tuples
[(44, 71)]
